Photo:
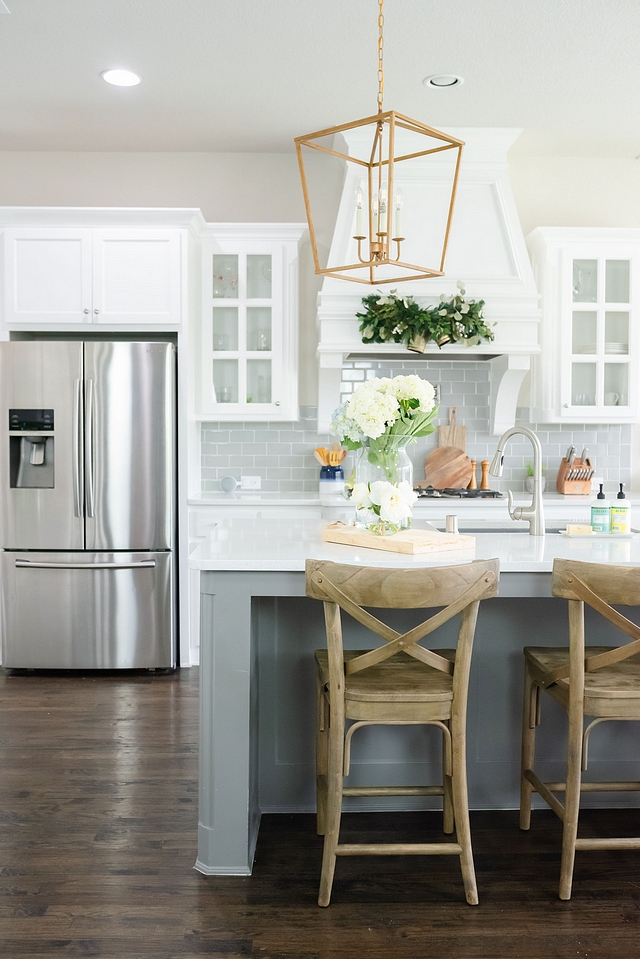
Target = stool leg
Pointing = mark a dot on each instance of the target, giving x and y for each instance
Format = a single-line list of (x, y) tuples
[(530, 706), (461, 808), (322, 746), (447, 799), (334, 805), (571, 806)]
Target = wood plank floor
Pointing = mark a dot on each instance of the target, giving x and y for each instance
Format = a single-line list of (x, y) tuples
[(98, 818)]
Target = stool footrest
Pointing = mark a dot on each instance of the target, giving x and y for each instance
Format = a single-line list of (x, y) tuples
[(399, 849), (393, 791), (627, 786), (630, 843)]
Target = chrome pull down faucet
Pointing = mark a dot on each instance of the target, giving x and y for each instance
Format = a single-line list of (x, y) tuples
[(534, 514)]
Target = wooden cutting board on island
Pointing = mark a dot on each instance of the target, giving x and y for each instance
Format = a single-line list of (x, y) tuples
[(406, 541)]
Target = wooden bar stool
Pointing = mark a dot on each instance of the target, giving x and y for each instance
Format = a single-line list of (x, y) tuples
[(594, 681), (397, 683)]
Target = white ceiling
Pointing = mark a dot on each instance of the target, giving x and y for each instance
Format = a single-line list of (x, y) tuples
[(249, 75)]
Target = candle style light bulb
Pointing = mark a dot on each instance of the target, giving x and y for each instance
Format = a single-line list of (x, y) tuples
[(398, 201), (382, 200), (374, 212), (359, 208)]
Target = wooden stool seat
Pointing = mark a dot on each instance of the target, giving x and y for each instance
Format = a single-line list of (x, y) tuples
[(609, 691), (595, 682), (400, 688), (400, 682)]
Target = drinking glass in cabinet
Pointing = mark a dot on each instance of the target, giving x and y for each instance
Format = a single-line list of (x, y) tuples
[(225, 381), (616, 332), (584, 331), (616, 281), (225, 276), (224, 332), (583, 384), (616, 384), (258, 381), (258, 327), (258, 276), (585, 281)]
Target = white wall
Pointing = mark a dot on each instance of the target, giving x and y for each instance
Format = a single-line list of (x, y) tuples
[(549, 191)]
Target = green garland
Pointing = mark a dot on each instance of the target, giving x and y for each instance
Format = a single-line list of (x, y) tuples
[(399, 319)]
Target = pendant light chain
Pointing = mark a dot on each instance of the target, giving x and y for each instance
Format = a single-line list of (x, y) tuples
[(380, 52)]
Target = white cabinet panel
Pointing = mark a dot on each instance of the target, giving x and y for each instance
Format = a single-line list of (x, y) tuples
[(58, 276), (47, 276), (136, 276)]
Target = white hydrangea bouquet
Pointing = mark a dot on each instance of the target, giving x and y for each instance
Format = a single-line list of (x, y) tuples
[(381, 418)]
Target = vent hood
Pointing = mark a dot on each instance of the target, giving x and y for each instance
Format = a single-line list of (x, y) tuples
[(486, 250)]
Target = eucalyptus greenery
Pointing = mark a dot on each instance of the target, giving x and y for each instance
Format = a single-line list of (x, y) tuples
[(389, 318)]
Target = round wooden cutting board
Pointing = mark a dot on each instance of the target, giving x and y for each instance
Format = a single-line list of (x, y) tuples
[(447, 467)]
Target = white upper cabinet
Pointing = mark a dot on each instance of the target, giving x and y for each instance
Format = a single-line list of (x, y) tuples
[(47, 276), (590, 285), (249, 323), (136, 276), (55, 276)]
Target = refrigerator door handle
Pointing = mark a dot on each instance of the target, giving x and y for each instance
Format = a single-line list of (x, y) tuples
[(88, 447), (36, 565), (76, 450)]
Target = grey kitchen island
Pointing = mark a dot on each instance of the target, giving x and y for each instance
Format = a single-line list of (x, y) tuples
[(258, 634)]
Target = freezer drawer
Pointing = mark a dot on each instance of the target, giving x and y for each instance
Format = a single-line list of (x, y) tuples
[(87, 610)]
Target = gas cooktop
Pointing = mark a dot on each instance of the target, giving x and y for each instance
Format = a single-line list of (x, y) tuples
[(431, 493)]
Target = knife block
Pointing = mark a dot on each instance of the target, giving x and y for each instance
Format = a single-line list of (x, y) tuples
[(574, 487)]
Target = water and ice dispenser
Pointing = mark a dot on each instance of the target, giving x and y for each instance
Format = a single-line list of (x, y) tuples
[(31, 449)]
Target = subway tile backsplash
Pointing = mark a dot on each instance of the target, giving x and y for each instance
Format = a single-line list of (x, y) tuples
[(282, 453)]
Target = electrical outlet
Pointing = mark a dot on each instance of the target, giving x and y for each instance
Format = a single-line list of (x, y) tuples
[(250, 482)]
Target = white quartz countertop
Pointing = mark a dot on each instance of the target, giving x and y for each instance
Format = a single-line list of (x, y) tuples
[(283, 544), (553, 502)]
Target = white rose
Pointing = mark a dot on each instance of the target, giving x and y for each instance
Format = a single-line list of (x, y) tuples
[(409, 496), (377, 491), (393, 506), (360, 496)]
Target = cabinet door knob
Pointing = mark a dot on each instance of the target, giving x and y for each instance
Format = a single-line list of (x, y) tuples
[(277, 403), (566, 406), (96, 311), (85, 311)]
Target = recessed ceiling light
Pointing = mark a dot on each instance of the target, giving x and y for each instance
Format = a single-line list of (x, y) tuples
[(121, 78), (443, 81)]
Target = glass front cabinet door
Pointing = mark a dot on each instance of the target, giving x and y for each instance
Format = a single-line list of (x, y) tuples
[(249, 338), (590, 284)]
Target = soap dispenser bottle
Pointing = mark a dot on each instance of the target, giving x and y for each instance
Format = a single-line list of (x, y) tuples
[(600, 513), (621, 513)]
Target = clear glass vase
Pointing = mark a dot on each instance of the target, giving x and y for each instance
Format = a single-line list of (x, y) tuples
[(390, 464)]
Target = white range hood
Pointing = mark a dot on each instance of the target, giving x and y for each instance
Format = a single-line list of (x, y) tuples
[(486, 250)]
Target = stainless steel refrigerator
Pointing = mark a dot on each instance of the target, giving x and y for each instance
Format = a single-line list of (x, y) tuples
[(87, 504)]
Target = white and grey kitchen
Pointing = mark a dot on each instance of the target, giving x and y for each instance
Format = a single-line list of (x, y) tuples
[(320, 479)]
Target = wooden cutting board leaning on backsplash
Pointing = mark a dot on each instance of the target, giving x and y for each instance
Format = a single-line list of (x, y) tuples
[(447, 467), (453, 435)]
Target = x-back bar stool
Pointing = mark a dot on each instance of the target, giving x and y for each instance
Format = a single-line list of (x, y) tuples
[(400, 682), (599, 682)]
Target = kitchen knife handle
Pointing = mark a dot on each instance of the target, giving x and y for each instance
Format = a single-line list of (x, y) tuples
[(88, 446), (76, 449)]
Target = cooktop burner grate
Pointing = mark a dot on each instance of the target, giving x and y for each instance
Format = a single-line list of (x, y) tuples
[(431, 493)]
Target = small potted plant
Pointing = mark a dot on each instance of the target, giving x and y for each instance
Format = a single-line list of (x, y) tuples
[(528, 480)]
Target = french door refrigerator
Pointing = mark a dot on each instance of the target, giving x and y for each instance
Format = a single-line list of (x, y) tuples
[(87, 504)]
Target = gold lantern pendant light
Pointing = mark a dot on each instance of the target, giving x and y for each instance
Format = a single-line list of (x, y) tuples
[(378, 202)]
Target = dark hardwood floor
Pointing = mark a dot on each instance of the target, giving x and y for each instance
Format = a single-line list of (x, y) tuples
[(98, 820)]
